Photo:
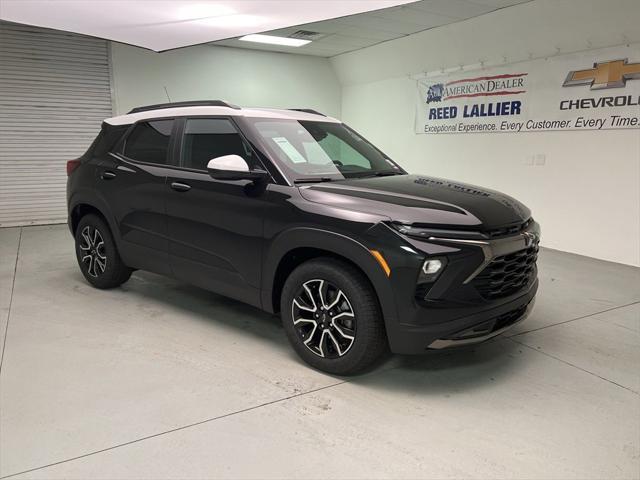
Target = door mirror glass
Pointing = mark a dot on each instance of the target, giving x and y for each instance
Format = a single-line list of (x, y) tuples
[(233, 167)]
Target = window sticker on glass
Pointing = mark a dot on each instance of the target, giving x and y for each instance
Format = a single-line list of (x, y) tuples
[(294, 155)]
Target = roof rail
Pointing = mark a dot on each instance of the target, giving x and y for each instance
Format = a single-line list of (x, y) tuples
[(307, 110), (192, 103)]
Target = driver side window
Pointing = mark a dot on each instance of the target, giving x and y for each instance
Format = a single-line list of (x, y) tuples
[(208, 138)]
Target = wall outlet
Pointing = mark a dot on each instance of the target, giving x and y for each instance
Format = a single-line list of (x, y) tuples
[(541, 159)]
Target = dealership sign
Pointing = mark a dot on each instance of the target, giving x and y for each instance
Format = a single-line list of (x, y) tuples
[(598, 90)]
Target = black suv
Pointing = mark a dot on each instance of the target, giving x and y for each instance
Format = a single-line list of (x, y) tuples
[(293, 212)]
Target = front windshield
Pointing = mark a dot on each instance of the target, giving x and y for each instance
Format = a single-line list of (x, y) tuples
[(326, 150)]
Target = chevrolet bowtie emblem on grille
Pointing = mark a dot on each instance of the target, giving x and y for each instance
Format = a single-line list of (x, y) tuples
[(612, 74)]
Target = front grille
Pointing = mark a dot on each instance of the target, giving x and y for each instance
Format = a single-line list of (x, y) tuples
[(493, 325), (509, 318), (505, 231), (507, 274)]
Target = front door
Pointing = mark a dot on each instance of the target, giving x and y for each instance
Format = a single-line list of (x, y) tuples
[(215, 227)]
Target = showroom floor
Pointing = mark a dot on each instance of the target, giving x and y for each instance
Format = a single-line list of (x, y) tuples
[(159, 379)]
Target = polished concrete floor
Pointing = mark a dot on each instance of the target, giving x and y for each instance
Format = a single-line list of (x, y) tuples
[(159, 379)]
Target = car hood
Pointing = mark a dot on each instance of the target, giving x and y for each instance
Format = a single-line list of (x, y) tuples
[(416, 199)]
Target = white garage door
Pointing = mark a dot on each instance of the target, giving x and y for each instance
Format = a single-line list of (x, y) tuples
[(55, 90)]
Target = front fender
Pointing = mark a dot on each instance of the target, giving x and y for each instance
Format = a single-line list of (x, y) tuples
[(356, 252)]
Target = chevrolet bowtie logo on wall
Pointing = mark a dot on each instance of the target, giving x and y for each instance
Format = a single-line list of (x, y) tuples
[(612, 74)]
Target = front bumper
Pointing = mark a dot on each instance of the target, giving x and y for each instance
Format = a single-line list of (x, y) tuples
[(486, 330), (460, 307), (477, 325)]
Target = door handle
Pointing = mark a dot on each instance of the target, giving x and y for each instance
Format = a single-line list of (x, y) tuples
[(107, 175), (180, 187)]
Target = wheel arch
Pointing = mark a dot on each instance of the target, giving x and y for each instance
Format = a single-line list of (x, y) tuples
[(79, 211), (81, 205), (293, 247)]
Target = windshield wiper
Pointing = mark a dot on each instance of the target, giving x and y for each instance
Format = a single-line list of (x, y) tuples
[(381, 173), (313, 180)]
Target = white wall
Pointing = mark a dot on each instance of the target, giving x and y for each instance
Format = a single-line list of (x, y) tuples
[(241, 76), (587, 196)]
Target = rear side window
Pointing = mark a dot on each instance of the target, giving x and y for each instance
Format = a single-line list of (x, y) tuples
[(208, 138), (149, 142), (109, 135)]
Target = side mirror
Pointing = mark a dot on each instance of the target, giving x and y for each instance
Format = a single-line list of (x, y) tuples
[(233, 167)]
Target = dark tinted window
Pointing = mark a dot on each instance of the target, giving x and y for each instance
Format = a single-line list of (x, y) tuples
[(108, 137), (94, 145), (149, 142), (208, 138)]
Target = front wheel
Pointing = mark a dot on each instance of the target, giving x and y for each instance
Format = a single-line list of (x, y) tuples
[(332, 318)]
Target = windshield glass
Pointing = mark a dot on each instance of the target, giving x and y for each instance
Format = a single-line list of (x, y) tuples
[(309, 149)]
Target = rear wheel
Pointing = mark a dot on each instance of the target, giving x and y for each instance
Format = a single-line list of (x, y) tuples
[(332, 318), (97, 255)]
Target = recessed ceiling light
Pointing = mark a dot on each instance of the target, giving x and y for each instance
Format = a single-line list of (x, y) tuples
[(272, 39)]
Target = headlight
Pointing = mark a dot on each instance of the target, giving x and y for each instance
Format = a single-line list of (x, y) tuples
[(411, 230), (431, 269), (429, 273), (432, 266)]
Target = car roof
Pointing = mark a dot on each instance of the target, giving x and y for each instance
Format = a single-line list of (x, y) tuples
[(207, 110)]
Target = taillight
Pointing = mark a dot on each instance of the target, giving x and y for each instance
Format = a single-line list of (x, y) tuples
[(72, 165)]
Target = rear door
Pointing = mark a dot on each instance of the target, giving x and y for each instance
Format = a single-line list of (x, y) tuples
[(215, 227), (132, 181)]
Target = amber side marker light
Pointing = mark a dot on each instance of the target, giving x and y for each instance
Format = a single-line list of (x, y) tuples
[(383, 263)]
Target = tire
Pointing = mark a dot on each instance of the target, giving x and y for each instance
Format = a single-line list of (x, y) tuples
[(97, 255), (321, 336)]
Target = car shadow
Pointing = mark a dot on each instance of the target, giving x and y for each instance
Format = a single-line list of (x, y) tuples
[(434, 372), (449, 372), (208, 307)]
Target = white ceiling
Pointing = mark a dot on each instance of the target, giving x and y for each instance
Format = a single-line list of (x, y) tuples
[(166, 24), (353, 32)]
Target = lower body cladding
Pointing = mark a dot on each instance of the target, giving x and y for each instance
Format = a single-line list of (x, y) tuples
[(475, 327), (484, 289), (485, 330)]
